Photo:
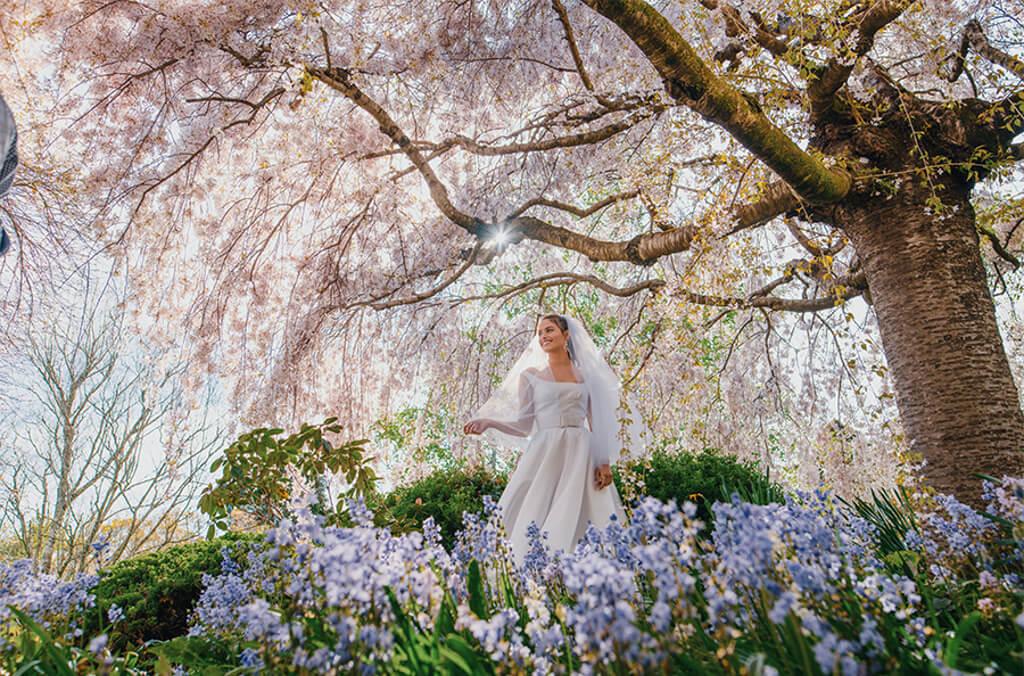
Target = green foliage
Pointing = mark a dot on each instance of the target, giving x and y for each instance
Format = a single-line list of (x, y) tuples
[(38, 651), (207, 656), (444, 495), (441, 651), (702, 478), (254, 472), (892, 515), (157, 591), (430, 425)]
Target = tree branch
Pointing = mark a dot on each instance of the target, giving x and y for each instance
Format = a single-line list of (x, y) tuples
[(571, 208), (563, 16), (836, 72), (843, 288), (643, 249), (689, 81), (570, 278), (567, 141), (429, 293), (339, 79), (778, 198), (975, 37), (998, 247)]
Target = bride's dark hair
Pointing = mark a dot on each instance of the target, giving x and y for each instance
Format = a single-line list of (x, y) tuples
[(564, 325)]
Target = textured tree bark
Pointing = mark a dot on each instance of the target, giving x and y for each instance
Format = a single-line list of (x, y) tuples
[(956, 395)]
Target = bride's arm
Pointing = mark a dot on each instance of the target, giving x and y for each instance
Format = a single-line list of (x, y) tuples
[(521, 426), (603, 472)]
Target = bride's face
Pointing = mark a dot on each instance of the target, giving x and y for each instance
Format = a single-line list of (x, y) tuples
[(551, 336)]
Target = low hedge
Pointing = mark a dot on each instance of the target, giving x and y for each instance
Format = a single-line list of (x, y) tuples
[(157, 591), (444, 495), (703, 478)]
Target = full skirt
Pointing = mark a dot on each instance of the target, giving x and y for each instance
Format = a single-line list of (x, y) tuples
[(553, 486)]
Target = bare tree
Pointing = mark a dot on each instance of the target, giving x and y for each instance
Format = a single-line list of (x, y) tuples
[(95, 450)]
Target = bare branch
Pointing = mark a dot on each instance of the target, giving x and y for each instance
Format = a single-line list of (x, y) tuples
[(643, 249), (571, 208), (998, 247), (736, 27), (778, 199), (975, 38), (844, 288), (563, 16), (568, 141), (340, 80), (423, 295), (568, 279)]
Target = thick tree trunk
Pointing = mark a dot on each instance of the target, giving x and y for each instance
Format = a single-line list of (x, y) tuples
[(955, 392)]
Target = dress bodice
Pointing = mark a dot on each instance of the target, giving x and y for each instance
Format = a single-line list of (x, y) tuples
[(559, 404)]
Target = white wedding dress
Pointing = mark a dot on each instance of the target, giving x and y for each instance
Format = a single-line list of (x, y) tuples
[(553, 484)]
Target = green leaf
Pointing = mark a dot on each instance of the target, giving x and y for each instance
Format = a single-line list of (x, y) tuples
[(58, 658), (477, 597), (954, 644), (445, 623)]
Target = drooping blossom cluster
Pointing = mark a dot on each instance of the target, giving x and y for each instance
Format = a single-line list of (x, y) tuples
[(261, 233)]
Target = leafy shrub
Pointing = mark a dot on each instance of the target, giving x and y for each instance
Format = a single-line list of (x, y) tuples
[(156, 592), (444, 495), (255, 473), (702, 478)]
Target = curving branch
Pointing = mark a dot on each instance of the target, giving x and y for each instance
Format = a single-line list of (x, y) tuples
[(563, 16), (842, 289), (689, 80), (644, 249), (770, 302), (736, 27), (998, 246), (568, 141), (837, 71), (580, 212), (568, 279), (381, 304), (340, 80), (975, 38), (778, 199)]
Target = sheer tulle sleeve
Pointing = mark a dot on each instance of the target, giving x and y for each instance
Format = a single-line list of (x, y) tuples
[(520, 423), (510, 417)]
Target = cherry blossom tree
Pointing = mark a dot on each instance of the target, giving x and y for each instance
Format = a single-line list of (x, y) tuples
[(288, 173)]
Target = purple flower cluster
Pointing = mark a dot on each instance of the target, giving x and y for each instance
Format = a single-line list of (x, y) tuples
[(795, 560), (629, 595), (340, 577), (46, 599)]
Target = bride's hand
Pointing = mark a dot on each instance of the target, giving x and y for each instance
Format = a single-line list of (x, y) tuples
[(475, 427), (603, 476)]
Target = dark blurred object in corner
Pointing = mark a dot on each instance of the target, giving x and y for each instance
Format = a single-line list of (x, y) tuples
[(9, 153)]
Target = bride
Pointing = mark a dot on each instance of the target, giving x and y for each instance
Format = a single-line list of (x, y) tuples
[(559, 405)]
